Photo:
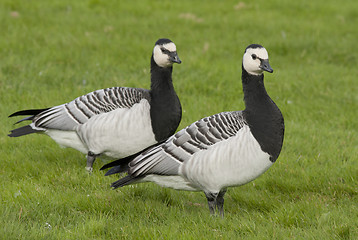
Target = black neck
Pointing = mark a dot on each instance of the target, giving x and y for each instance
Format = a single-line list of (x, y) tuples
[(262, 115), (165, 108), (255, 95), (161, 78)]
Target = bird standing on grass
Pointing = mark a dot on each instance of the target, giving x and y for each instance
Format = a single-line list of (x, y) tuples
[(224, 150), (114, 122)]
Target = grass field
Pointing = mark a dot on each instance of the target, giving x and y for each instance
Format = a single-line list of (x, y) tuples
[(53, 51)]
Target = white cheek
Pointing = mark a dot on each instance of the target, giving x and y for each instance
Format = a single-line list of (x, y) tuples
[(162, 60), (252, 66)]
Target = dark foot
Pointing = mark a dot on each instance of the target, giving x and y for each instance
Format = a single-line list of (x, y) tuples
[(220, 202), (211, 197), (216, 201), (91, 157)]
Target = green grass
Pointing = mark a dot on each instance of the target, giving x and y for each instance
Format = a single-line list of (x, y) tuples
[(54, 51)]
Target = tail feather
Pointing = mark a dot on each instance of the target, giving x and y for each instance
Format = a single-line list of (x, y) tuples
[(117, 169), (23, 131), (28, 112), (122, 162), (119, 162), (124, 181), (25, 119)]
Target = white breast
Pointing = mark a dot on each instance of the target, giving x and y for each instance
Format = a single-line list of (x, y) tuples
[(232, 162), (119, 133)]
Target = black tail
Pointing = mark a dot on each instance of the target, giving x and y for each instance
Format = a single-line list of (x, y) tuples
[(121, 165), (32, 112), (117, 169), (124, 181), (22, 131), (25, 129), (120, 162), (28, 112)]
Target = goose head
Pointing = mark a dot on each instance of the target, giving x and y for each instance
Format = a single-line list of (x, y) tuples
[(255, 60), (165, 53)]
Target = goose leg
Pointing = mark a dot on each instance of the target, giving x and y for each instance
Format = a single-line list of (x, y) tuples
[(220, 202), (91, 157), (211, 197)]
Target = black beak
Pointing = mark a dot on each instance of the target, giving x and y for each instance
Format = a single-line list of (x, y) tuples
[(265, 65), (174, 58)]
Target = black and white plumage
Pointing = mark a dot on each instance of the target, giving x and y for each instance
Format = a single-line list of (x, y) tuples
[(114, 122), (224, 150)]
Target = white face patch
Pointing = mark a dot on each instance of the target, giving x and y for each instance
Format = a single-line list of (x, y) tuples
[(251, 65), (160, 58), (170, 46)]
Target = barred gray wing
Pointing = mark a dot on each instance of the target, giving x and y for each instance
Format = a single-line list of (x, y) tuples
[(166, 158), (68, 116)]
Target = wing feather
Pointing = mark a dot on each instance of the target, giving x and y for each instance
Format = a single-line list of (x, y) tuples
[(165, 159), (68, 116)]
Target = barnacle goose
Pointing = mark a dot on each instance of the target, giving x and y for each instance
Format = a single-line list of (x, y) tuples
[(114, 122), (224, 150)]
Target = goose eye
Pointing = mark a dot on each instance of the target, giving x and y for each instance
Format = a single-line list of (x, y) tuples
[(254, 56), (166, 51)]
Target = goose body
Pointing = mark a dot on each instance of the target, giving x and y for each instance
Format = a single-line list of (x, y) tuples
[(114, 122), (220, 151)]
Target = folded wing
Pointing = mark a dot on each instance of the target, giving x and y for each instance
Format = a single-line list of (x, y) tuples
[(78, 111), (166, 158)]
